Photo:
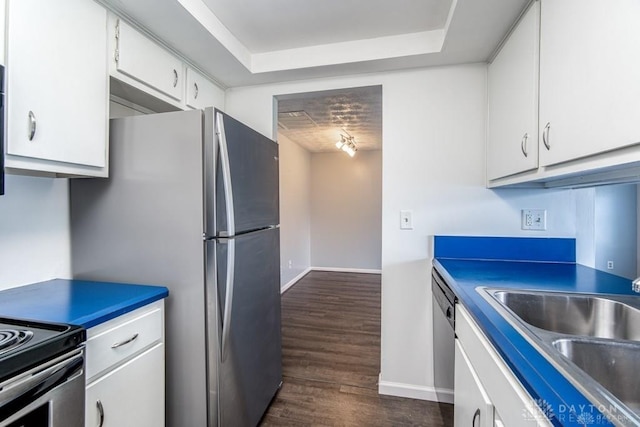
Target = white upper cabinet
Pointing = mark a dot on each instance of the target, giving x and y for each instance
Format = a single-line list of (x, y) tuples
[(589, 78), (57, 87), (150, 75), (512, 145), (201, 92), (143, 60)]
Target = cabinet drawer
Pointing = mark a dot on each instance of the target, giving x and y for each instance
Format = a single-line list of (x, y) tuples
[(126, 338), (140, 58)]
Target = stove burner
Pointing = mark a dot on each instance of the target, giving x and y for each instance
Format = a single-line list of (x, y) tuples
[(11, 338)]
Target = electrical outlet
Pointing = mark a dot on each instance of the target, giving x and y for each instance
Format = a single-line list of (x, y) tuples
[(290, 264), (609, 265), (534, 219)]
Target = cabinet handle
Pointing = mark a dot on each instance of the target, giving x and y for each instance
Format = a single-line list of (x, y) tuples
[(32, 125), (475, 415), (125, 342), (175, 78), (523, 144), (100, 412), (545, 135), (195, 93)]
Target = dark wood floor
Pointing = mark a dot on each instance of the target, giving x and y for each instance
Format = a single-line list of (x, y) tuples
[(331, 359)]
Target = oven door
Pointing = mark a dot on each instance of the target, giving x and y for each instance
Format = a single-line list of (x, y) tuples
[(49, 395)]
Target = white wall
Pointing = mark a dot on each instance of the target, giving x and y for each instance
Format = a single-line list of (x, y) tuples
[(585, 227), (3, 9), (616, 229), (118, 110), (346, 210), (34, 231), (295, 174), (433, 163), (607, 228)]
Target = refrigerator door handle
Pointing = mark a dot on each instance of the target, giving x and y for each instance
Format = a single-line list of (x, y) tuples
[(228, 300), (226, 177)]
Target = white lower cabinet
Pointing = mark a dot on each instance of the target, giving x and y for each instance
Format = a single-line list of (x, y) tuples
[(125, 370), (472, 406), (131, 395), (487, 393)]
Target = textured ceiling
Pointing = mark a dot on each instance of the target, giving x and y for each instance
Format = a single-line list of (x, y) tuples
[(315, 120)]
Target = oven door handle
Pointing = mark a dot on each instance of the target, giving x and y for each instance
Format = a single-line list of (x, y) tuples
[(19, 397)]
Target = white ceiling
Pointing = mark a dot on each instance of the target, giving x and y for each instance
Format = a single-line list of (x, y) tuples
[(246, 42), (264, 26), (316, 120)]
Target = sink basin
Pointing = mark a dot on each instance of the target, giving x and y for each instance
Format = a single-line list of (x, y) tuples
[(574, 314), (593, 340), (612, 364)]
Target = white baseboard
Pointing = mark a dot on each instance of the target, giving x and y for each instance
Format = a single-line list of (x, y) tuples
[(415, 391), (347, 270), (293, 281)]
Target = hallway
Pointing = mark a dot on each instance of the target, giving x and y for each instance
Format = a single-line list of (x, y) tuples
[(331, 359)]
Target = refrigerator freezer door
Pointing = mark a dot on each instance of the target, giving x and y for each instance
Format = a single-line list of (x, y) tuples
[(247, 326), (246, 174)]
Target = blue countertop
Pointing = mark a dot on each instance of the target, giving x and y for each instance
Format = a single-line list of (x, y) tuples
[(487, 263), (76, 302)]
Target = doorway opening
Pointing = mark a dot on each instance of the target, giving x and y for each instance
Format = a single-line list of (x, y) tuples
[(330, 181)]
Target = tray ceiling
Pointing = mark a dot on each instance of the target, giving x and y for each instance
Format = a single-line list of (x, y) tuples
[(264, 26), (247, 42)]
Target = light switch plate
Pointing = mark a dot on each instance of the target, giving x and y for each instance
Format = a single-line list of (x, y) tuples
[(406, 220), (534, 219)]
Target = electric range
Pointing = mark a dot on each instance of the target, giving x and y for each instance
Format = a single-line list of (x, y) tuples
[(24, 344), (41, 374)]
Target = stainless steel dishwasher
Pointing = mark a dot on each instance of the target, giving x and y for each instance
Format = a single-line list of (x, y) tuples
[(444, 318)]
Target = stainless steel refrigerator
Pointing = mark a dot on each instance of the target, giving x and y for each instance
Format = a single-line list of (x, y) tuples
[(192, 203)]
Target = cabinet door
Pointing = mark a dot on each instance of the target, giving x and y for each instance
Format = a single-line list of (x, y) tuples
[(140, 58), (57, 85), (202, 93), (472, 406), (512, 145), (131, 395), (589, 84)]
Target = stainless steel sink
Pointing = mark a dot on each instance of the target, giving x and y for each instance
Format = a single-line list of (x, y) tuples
[(593, 340), (612, 364), (574, 314)]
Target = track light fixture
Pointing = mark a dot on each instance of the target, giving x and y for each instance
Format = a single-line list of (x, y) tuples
[(347, 144)]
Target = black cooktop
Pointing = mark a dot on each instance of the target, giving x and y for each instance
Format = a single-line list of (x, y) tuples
[(25, 344)]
